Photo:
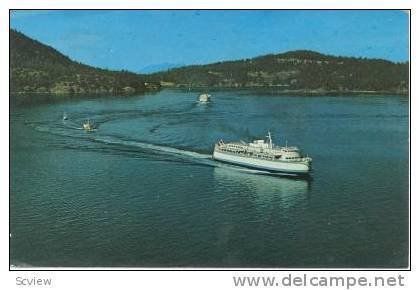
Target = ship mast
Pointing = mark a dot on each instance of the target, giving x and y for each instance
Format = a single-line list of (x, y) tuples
[(270, 141)]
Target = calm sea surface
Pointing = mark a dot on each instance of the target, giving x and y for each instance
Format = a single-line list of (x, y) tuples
[(142, 190)]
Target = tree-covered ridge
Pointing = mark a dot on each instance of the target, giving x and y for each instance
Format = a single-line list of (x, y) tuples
[(38, 68), (295, 71)]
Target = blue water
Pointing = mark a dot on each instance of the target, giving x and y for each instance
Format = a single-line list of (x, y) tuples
[(142, 190)]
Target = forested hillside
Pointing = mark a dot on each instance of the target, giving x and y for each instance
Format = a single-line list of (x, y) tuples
[(295, 71), (37, 68)]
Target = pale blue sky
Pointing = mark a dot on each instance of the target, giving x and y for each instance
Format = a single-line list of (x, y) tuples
[(132, 40)]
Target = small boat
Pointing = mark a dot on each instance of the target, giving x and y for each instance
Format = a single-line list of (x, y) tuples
[(263, 155), (88, 126), (204, 98), (65, 117)]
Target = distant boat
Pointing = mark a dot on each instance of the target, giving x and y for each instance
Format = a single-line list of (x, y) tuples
[(263, 155), (65, 117), (204, 98), (88, 126)]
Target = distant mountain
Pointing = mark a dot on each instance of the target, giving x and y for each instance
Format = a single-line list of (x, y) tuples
[(38, 68), (159, 67), (299, 71)]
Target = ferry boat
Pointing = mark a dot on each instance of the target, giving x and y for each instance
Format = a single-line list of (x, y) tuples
[(204, 98), (263, 155)]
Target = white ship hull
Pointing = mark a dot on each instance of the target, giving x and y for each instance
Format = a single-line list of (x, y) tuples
[(262, 164)]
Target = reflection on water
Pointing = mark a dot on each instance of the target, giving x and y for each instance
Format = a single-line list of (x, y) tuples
[(266, 189)]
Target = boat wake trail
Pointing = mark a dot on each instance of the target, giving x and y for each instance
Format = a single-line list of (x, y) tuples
[(193, 157), (180, 155), (72, 125), (148, 146)]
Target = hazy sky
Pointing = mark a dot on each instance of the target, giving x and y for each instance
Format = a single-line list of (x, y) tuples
[(136, 39)]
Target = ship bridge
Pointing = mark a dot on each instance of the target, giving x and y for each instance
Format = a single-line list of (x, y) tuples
[(259, 144)]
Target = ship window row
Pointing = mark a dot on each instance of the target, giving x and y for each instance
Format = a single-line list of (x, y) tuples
[(235, 146), (243, 152), (232, 150)]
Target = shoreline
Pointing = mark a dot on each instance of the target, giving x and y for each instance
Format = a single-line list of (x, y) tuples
[(270, 90)]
